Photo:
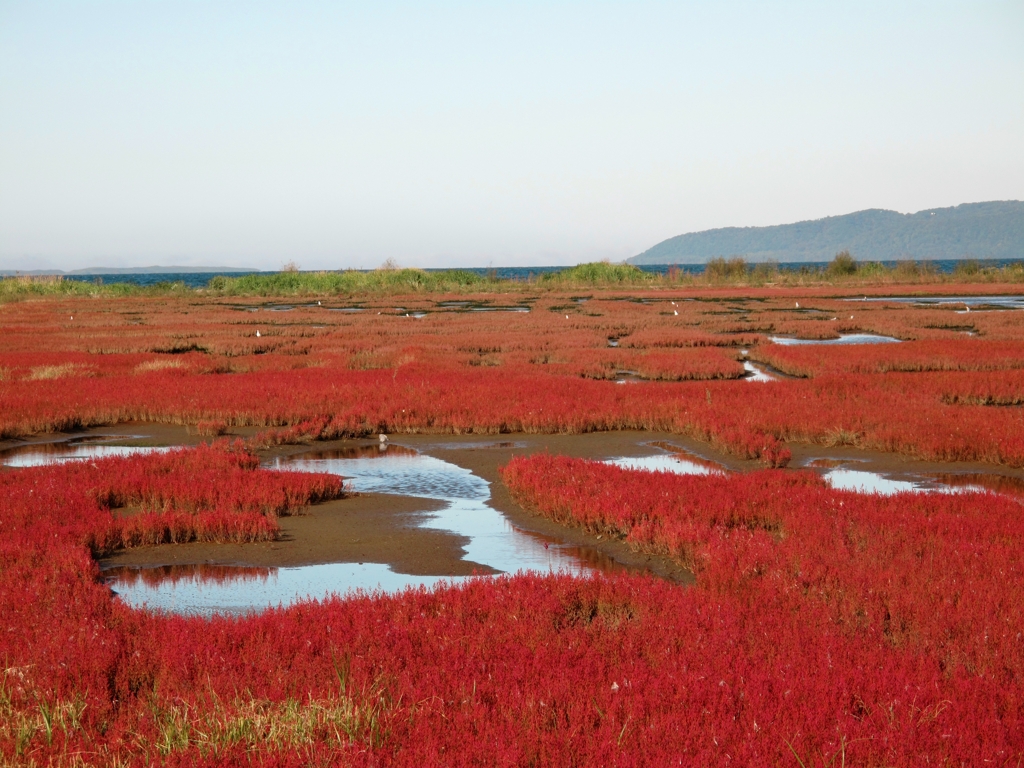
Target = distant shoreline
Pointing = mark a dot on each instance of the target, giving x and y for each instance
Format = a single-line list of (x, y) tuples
[(155, 270), (200, 279)]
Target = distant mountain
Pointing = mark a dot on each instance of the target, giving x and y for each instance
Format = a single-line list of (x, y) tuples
[(974, 230), (131, 271)]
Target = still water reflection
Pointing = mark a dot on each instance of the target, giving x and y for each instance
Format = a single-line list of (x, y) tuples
[(41, 454), (847, 338), (209, 589), (679, 464)]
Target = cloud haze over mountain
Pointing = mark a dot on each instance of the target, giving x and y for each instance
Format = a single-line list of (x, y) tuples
[(345, 134)]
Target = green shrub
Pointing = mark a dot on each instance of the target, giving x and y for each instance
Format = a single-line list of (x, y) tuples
[(719, 269), (967, 268), (598, 273), (842, 265)]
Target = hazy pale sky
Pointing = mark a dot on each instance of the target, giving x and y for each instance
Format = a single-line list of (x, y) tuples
[(448, 134)]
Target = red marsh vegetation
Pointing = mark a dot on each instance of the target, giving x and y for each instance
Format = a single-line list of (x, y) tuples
[(317, 372), (824, 626)]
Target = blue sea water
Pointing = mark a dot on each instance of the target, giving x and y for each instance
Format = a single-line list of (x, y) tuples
[(200, 279)]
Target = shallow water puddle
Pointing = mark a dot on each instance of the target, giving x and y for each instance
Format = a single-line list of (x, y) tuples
[(847, 338), (41, 454), (209, 589), (677, 461), (678, 464), (753, 373), (869, 482), (874, 482), (628, 377), (839, 477), (491, 540), (994, 302)]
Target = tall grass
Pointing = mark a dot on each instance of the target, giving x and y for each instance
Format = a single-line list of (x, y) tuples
[(350, 282), (844, 270), (599, 273), (32, 286), (735, 271)]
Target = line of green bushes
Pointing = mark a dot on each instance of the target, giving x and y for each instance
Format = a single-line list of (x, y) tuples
[(293, 282), (28, 286), (843, 269)]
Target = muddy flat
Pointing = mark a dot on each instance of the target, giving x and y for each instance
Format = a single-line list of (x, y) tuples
[(364, 528)]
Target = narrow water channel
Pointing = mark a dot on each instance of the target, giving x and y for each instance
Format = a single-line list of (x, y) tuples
[(493, 541)]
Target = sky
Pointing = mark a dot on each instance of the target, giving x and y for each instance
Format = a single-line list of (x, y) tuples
[(340, 135)]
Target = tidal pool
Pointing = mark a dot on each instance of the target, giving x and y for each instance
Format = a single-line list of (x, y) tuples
[(678, 465), (753, 373), (675, 460), (950, 482), (208, 589), (872, 482), (840, 477), (41, 454), (995, 302), (847, 338)]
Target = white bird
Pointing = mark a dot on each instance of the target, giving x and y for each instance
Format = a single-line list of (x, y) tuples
[(566, 317), (967, 307), (72, 317), (798, 305), (851, 317), (676, 312), (318, 303), (257, 334), (383, 438)]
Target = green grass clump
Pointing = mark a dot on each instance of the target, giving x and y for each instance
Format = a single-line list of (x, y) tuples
[(599, 273), (348, 282), (32, 286), (735, 271)]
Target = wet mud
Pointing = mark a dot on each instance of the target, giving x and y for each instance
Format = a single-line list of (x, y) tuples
[(365, 528)]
